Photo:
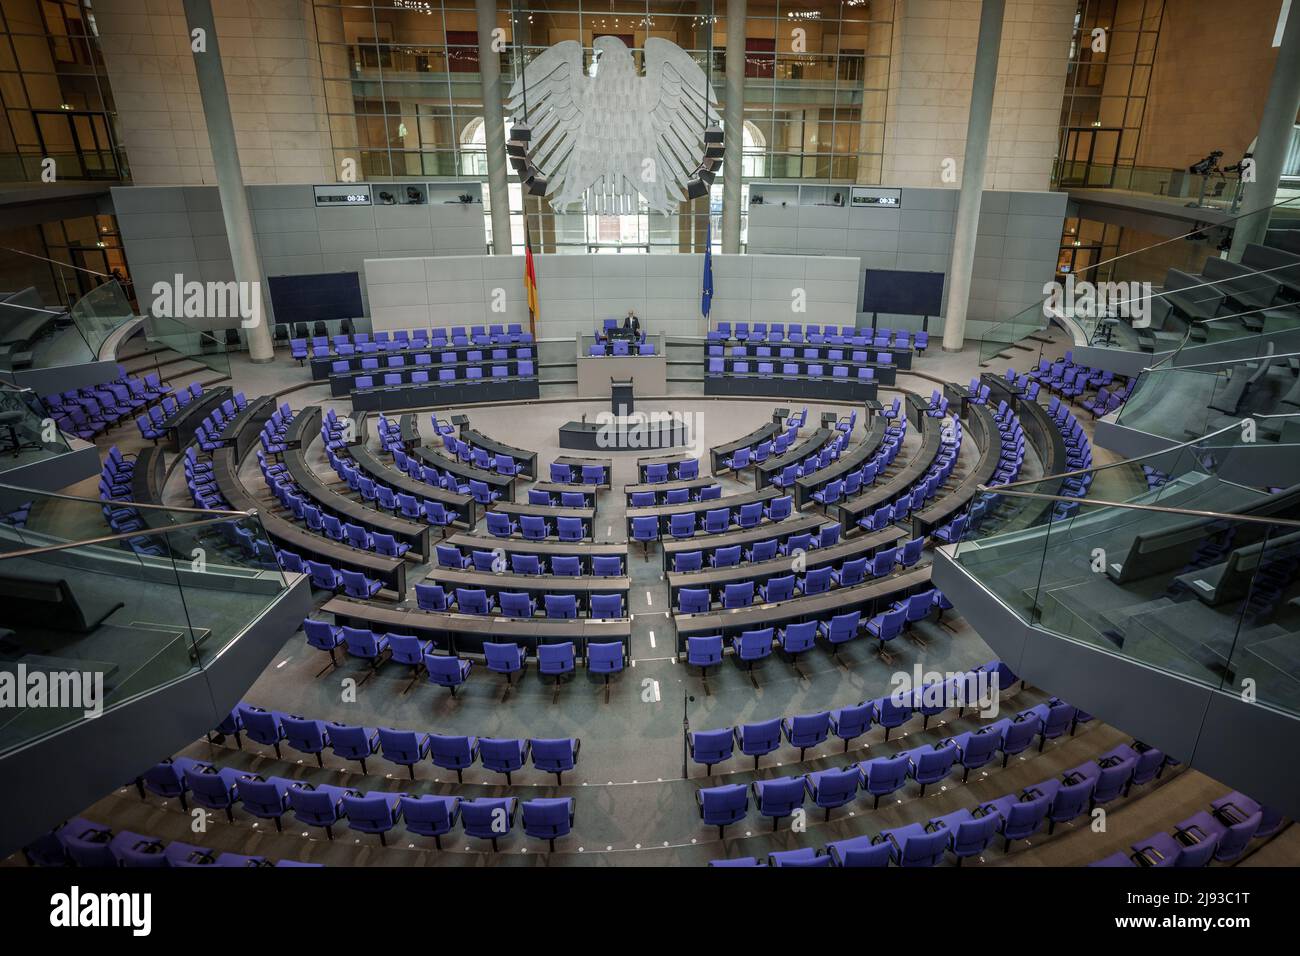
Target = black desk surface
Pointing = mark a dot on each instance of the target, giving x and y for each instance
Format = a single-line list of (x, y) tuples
[(762, 433), (850, 510), (465, 633), (414, 533), (490, 581), (545, 549), (184, 422), (549, 512), (670, 459), (503, 484), (734, 502), (147, 477), (775, 464), (525, 459), (795, 524), (559, 488), (821, 606), (981, 428), (689, 484), (847, 462), (845, 550), (293, 537), (372, 465), (304, 426), (576, 461), (258, 412)]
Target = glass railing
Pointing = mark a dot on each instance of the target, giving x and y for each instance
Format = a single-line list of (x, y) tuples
[(73, 338), (130, 609), (1215, 190), (27, 430), (1195, 576), (198, 345), (1105, 326), (85, 165)]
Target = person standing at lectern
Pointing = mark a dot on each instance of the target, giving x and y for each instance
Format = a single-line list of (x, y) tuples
[(632, 325)]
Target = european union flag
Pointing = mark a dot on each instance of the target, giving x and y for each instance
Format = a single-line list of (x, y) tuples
[(706, 296)]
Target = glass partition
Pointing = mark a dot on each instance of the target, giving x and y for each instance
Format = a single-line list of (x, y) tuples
[(1198, 576), (47, 337), (198, 345), (27, 431), (130, 609), (101, 312)]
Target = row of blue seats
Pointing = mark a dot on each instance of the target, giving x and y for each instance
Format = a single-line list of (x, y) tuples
[(553, 660), (716, 521), (797, 332), (787, 586), (704, 651), (538, 528), (457, 336), (925, 488), (481, 458), (380, 496), (150, 425), (556, 606), (620, 347), (966, 832), (561, 565), (1220, 833), (93, 409), (473, 373), (717, 366), (712, 747), (375, 363), (763, 550), (80, 842), (405, 748), (1011, 458)]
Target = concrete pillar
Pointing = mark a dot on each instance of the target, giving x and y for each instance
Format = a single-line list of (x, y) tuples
[(733, 124), (230, 177), (972, 173), (489, 66), (1274, 137)]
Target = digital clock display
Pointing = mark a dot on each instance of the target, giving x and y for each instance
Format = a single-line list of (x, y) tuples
[(343, 195), (871, 196)]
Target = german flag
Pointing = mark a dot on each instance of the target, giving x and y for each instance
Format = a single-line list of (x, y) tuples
[(530, 281)]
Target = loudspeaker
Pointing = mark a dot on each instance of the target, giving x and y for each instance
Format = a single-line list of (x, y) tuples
[(695, 188)]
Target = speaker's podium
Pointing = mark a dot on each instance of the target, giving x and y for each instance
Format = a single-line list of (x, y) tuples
[(621, 429), (620, 397)]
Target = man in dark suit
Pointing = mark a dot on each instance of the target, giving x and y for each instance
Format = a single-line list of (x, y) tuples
[(632, 325)]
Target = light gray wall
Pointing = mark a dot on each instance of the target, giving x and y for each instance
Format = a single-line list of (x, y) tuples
[(1015, 252), (179, 229), (576, 292)]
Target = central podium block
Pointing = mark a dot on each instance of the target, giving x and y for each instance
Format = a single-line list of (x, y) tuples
[(659, 430)]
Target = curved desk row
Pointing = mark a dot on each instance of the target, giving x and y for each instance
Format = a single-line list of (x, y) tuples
[(526, 460), (503, 485), (183, 423), (293, 537), (775, 464), (422, 394), (369, 462), (584, 551), (805, 486), (981, 427), (867, 598), (781, 531), (718, 452), (534, 585), (243, 430), (663, 513), (802, 387), (850, 510), (760, 572), (463, 634), (413, 533)]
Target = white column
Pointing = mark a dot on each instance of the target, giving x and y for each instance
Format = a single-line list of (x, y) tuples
[(489, 67), (230, 177), (972, 173), (733, 124)]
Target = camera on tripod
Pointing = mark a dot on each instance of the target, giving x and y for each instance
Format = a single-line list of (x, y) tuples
[(1207, 166)]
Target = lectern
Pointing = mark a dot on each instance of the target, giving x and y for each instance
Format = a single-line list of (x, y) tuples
[(620, 397)]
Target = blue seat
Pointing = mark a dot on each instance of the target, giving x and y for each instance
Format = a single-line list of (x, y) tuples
[(561, 605), (806, 856), (806, 730), (969, 832), (555, 755), (693, 600), (930, 764), (548, 818), (915, 845), (453, 753), (859, 851), (504, 658), (607, 605), (488, 818), (722, 806), (779, 797), (830, 789), (850, 723), (606, 658), (502, 754), (704, 652), (430, 814), (840, 629), (405, 748), (752, 646), (445, 671), (267, 799), (353, 742), (557, 659), (797, 638), (883, 775), (757, 739), (710, 747), (317, 805)]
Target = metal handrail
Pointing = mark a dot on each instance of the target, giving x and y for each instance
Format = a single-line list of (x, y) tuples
[(100, 502), (105, 539), (1134, 506)]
